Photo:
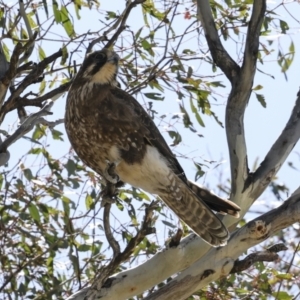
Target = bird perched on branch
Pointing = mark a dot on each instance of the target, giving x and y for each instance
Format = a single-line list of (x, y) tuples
[(112, 134)]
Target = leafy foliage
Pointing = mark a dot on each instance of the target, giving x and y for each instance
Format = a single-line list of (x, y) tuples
[(52, 237)]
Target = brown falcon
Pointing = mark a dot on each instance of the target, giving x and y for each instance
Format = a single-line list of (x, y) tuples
[(108, 127)]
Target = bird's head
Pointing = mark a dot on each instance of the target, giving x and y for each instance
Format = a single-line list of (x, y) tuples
[(100, 67)]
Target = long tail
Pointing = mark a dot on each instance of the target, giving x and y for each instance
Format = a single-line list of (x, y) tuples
[(215, 203), (195, 213)]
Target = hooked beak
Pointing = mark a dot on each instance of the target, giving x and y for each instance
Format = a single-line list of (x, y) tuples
[(114, 58)]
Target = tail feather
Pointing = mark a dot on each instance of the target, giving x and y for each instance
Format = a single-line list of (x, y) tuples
[(196, 214), (215, 203)]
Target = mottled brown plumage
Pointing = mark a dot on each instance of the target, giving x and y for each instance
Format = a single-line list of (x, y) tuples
[(106, 126)]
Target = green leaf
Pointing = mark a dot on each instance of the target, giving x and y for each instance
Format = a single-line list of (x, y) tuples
[(66, 205), (35, 151), (65, 54), (71, 167), (148, 47), (199, 172), (46, 8), (77, 8), (56, 12), (6, 51), (175, 136), (287, 276), (284, 26), (84, 248), (186, 119), (292, 47), (154, 96), (194, 110), (42, 87), (32, 24), (23, 34), (261, 100), (257, 88), (111, 15), (168, 224), (34, 212), (42, 54), (57, 135), (28, 174), (282, 295), (216, 84), (89, 202), (66, 22), (138, 33), (1, 181)]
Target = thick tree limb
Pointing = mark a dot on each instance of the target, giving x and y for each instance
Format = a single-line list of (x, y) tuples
[(277, 154), (215, 264), (218, 259), (236, 105)]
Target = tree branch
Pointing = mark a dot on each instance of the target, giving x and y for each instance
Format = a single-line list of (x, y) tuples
[(218, 259), (24, 128), (236, 105), (102, 281), (124, 17), (121, 20), (268, 255), (275, 158), (216, 263), (11, 71), (38, 101), (218, 52), (12, 101)]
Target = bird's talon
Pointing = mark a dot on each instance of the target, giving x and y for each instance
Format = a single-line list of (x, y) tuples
[(109, 173)]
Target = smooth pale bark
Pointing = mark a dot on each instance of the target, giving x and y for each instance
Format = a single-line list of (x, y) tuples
[(216, 263)]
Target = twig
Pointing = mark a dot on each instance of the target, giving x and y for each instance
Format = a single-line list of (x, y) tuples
[(102, 281), (175, 240), (218, 52), (25, 127), (38, 101), (268, 255), (288, 269), (51, 124), (108, 199), (37, 71), (121, 20)]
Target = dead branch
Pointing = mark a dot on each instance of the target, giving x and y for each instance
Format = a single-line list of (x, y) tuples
[(269, 254)]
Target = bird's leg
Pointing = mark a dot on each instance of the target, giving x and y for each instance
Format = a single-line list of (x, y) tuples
[(109, 173), (108, 194)]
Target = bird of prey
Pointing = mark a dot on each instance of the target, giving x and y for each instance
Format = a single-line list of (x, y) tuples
[(108, 128)]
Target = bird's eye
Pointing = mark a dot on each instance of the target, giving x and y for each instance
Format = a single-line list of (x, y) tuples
[(100, 56)]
